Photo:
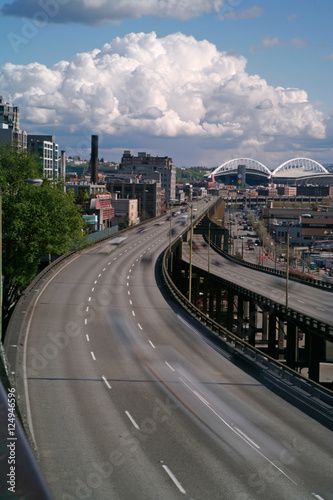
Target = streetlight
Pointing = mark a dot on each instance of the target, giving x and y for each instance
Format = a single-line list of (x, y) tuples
[(287, 269), (191, 243), (170, 231), (208, 247), (36, 183)]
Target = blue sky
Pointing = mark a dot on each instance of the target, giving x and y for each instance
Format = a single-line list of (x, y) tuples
[(202, 81)]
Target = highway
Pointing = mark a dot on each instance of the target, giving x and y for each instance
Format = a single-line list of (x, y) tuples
[(127, 398), (313, 302)]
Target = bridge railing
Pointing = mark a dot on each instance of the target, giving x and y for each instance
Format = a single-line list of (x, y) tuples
[(312, 394)]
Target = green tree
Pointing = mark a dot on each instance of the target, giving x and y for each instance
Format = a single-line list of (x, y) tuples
[(35, 222), (82, 198)]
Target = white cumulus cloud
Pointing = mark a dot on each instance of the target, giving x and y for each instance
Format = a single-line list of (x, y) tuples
[(171, 87)]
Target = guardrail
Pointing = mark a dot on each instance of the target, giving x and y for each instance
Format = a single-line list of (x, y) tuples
[(313, 395)]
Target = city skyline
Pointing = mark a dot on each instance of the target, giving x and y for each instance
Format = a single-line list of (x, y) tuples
[(203, 82)]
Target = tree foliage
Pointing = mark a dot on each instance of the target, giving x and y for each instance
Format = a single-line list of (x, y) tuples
[(189, 175), (35, 222)]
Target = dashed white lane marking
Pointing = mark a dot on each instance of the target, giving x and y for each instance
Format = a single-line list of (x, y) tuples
[(320, 309), (139, 326), (93, 355), (99, 275), (169, 366), (174, 479), (95, 282), (131, 303), (241, 435), (87, 308), (132, 420), (89, 299), (106, 382), (93, 288), (133, 313), (104, 268), (85, 321), (301, 301), (150, 342), (87, 337), (129, 293)]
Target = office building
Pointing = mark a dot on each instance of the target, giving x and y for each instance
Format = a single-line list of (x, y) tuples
[(47, 151), (10, 126), (145, 165), (9, 115)]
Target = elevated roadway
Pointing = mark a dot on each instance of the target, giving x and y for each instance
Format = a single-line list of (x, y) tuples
[(128, 397)]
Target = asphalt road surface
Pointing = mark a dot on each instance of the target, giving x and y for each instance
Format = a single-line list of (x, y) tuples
[(127, 399)]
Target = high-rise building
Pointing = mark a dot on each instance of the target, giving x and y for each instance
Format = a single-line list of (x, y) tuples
[(145, 165), (13, 137), (47, 151), (10, 126), (9, 115)]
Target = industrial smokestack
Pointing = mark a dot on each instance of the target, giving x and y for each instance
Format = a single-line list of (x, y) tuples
[(94, 159), (63, 166)]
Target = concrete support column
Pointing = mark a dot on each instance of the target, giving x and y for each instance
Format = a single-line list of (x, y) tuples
[(252, 323), (291, 345), (218, 304), (240, 315), (211, 301), (195, 293), (272, 335), (264, 325), (230, 310), (314, 357), (205, 295)]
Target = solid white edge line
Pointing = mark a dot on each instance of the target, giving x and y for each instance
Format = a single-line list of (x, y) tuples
[(132, 420), (174, 479), (107, 383), (24, 364)]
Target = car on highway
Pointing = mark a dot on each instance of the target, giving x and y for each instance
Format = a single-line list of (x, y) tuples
[(142, 229)]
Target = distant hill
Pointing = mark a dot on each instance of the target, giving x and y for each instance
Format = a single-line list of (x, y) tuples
[(194, 174)]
